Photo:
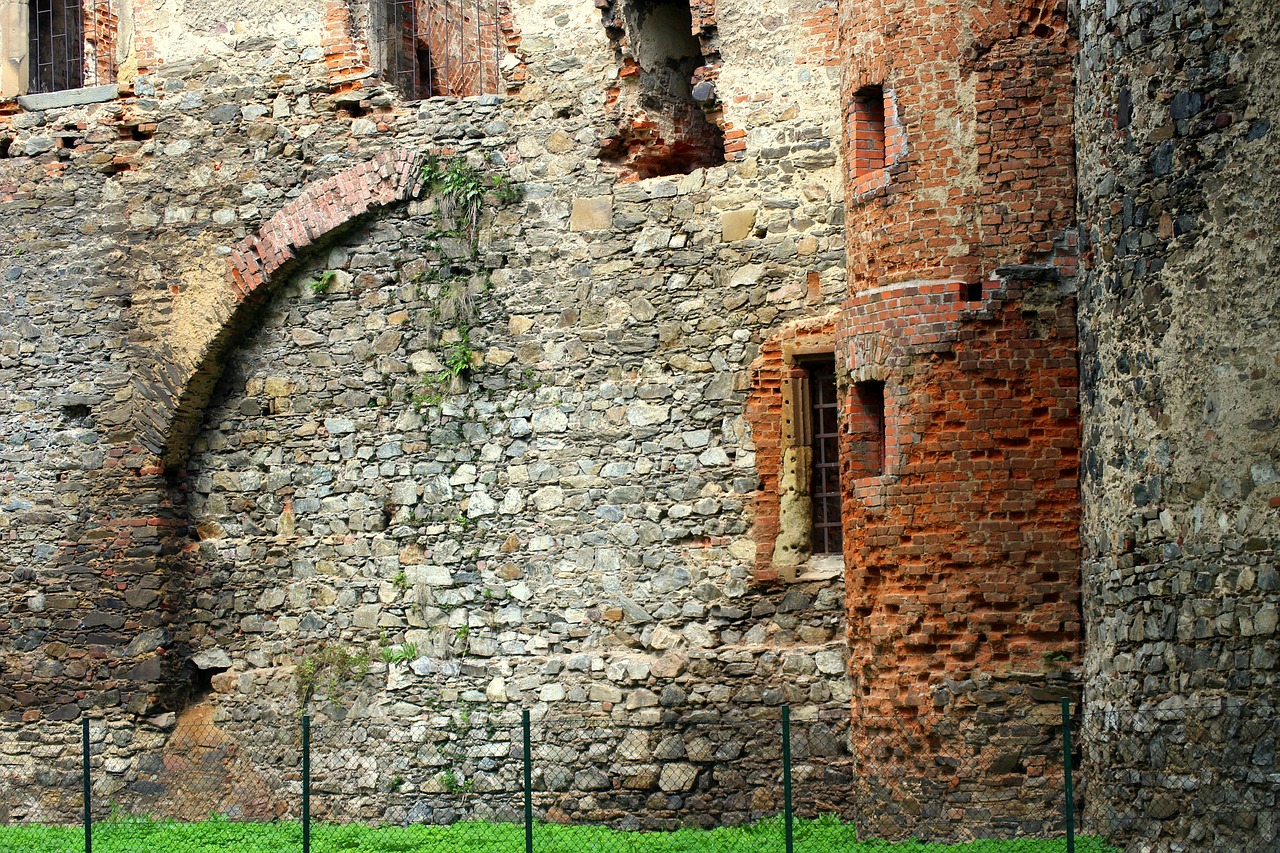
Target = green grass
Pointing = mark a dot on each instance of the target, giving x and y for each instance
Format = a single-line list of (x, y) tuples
[(221, 836)]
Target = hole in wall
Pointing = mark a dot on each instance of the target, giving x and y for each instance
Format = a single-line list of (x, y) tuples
[(201, 683), (663, 93), (137, 132), (867, 427)]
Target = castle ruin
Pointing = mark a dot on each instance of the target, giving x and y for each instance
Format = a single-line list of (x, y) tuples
[(885, 361)]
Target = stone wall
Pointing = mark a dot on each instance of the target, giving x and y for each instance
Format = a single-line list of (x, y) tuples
[(1176, 134), (228, 441), (563, 525)]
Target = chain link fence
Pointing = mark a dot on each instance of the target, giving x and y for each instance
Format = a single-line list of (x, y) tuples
[(1166, 780)]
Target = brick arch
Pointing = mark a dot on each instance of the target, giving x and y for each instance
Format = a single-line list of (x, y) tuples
[(173, 398)]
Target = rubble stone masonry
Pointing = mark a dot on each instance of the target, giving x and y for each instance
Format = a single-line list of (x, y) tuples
[(263, 393), (215, 466), (1176, 132)]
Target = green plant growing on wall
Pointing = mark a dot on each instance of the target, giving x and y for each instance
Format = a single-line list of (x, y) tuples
[(462, 191), (449, 779), (463, 187), (457, 359), (321, 284), (330, 670), (403, 653)]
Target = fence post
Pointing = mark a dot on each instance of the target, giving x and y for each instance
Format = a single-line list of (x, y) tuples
[(528, 782), (1070, 805), (786, 778), (88, 803), (306, 783)]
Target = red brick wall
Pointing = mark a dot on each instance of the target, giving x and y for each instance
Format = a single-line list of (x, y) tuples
[(345, 52), (964, 554), (144, 25), (101, 26), (982, 172), (962, 557)]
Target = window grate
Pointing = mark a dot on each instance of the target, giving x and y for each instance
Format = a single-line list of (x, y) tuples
[(440, 47), (828, 529), (70, 44)]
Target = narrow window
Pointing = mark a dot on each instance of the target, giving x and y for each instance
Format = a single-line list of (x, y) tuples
[(867, 428), (827, 535), (868, 130)]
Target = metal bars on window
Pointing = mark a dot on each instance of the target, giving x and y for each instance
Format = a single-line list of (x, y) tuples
[(824, 410), (70, 44), (439, 47)]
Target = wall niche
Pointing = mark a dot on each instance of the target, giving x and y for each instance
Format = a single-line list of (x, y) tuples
[(663, 107)]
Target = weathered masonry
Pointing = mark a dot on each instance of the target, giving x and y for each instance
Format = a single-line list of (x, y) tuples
[(877, 370)]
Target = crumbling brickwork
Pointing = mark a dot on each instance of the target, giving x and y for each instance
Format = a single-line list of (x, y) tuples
[(960, 459), (963, 552), (977, 118)]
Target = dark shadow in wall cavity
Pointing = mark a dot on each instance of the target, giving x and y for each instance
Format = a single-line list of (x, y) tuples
[(662, 126)]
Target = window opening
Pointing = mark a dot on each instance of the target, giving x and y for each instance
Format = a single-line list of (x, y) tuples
[(868, 429), (70, 44), (824, 414), (439, 47), (868, 130)]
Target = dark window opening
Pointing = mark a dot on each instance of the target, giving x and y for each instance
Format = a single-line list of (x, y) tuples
[(70, 44), (439, 47), (867, 428), (973, 291), (824, 416), (868, 130), (56, 58), (666, 88)]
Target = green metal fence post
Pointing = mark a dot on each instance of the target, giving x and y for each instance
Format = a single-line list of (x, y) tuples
[(306, 783), (786, 778), (1069, 807), (84, 773), (528, 783)]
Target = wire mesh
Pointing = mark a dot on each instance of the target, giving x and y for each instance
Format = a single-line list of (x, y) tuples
[(40, 779), (71, 43), (174, 788), (1169, 779), (979, 776), (439, 47), (1182, 776), (445, 780)]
